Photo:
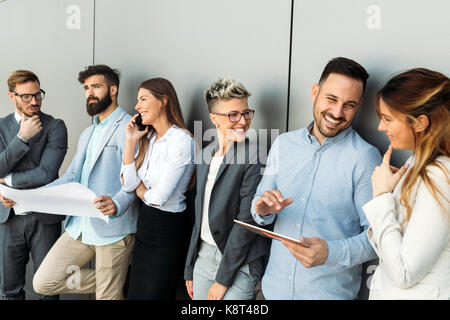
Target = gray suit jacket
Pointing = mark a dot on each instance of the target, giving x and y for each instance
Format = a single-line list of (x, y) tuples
[(231, 197), (104, 178), (34, 164)]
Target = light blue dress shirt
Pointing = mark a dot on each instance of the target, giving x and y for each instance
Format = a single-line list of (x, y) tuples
[(82, 225), (329, 184)]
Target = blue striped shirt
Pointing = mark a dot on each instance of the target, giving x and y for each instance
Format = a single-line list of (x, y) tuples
[(329, 184)]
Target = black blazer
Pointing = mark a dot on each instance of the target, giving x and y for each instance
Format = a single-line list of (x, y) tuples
[(231, 198), (34, 164)]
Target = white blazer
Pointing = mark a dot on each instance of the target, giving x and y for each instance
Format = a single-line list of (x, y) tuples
[(415, 255)]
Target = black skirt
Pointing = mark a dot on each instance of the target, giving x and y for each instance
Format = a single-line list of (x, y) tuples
[(159, 254)]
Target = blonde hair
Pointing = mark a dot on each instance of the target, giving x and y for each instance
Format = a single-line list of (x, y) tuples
[(225, 89), (422, 92)]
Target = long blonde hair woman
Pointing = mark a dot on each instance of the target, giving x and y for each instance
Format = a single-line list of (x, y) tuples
[(409, 215)]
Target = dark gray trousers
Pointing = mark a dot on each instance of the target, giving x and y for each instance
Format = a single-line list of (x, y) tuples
[(21, 236)]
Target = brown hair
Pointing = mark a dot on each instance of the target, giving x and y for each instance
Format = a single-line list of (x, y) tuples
[(111, 75), (161, 88), (19, 77), (414, 93), (346, 67)]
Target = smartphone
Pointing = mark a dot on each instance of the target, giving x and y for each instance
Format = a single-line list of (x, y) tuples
[(138, 121)]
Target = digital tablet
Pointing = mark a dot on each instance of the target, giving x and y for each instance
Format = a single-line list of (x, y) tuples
[(269, 234)]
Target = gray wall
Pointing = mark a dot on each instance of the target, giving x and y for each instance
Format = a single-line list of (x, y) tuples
[(385, 36), (192, 43)]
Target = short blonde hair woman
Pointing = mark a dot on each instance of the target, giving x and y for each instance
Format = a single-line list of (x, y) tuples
[(225, 261), (160, 175), (409, 215)]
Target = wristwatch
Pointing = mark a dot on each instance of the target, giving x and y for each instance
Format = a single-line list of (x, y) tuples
[(24, 140)]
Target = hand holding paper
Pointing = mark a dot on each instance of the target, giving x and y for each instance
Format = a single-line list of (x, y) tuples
[(72, 199), (106, 205), (7, 203)]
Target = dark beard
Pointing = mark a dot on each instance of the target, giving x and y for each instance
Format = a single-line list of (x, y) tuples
[(94, 108)]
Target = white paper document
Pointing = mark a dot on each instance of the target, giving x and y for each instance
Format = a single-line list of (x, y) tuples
[(72, 199)]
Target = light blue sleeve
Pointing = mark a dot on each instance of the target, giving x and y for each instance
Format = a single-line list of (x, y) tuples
[(346, 253), (119, 210), (69, 175), (267, 183)]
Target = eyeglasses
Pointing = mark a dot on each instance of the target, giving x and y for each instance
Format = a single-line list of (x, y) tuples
[(28, 97), (236, 116)]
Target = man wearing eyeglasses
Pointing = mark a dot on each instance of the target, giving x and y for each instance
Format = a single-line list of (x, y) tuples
[(32, 149)]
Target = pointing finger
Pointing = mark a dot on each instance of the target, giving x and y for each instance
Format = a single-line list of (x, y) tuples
[(272, 197), (387, 155), (278, 194), (286, 202)]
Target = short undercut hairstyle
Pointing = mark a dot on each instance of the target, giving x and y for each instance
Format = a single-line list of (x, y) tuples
[(19, 77), (225, 89), (111, 75), (346, 67)]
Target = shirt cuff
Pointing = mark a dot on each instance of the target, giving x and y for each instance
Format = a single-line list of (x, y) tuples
[(119, 211), (8, 180), (262, 220), (151, 199), (127, 166), (130, 178), (377, 211), (24, 140), (380, 214), (334, 254)]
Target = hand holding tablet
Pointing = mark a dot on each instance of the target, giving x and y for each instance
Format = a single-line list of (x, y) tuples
[(269, 234)]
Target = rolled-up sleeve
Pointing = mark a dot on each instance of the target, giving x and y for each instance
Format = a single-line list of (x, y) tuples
[(130, 178)]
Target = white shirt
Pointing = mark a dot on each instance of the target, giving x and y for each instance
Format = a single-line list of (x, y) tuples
[(415, 255), (166, 171), (205, 231)]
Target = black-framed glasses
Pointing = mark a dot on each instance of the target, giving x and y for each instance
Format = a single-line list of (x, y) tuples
[(27, 97), (236, 116)]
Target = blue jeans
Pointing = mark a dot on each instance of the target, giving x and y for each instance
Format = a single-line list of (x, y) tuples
[(205, 269)]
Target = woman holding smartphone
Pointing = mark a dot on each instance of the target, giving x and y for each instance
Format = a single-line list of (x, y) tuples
[(409, 214), (160, 174)]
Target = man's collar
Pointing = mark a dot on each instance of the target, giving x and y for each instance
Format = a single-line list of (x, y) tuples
[(309, 130), (17, 117), (327, 140), (107, 119)]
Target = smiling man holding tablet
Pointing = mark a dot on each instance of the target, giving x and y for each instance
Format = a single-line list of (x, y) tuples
[(316, 181)]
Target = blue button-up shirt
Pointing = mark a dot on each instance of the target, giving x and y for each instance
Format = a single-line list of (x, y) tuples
[(329, 184), (82, 225)]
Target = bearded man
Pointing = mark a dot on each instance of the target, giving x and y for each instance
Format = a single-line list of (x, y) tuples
[(95, 165)]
